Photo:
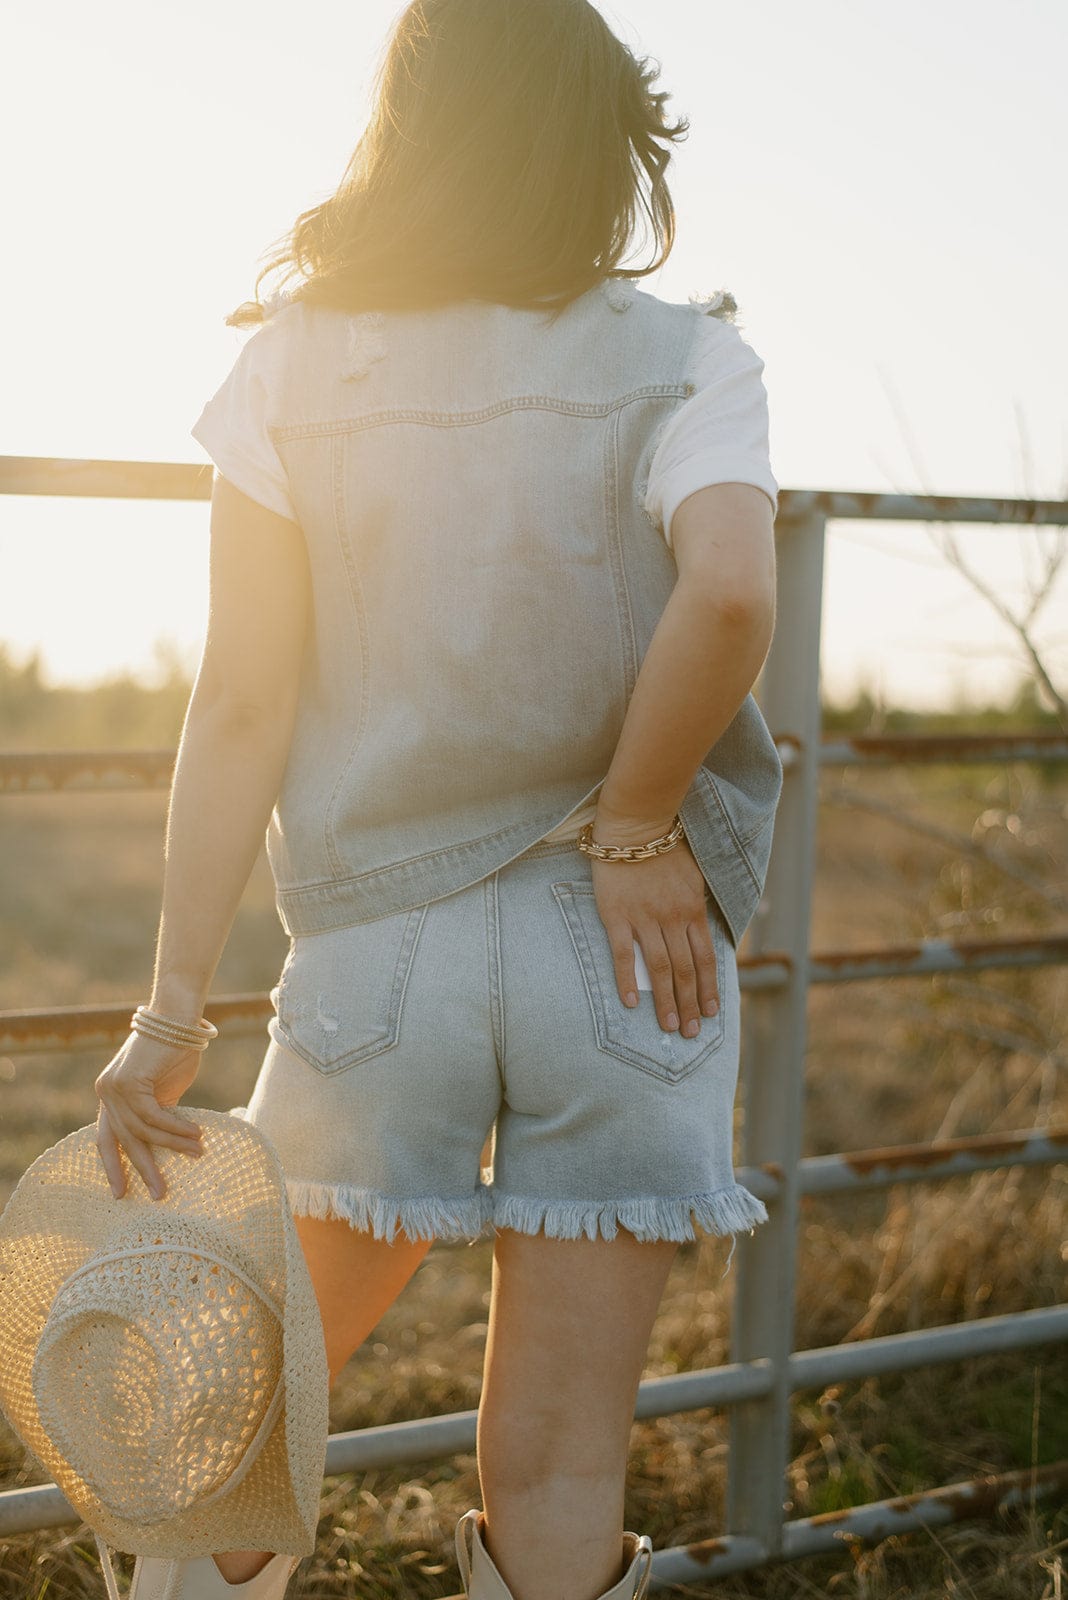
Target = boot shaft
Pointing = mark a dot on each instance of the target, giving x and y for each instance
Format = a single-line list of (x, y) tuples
[(483, 1581)]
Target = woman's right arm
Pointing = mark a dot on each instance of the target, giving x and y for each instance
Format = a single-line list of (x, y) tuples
[(705, 654)]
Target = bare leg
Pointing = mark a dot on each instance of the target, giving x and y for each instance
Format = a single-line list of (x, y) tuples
[(356, 1278), (570, 1321)]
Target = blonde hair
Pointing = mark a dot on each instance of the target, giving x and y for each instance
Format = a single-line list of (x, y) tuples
[(503, 160)]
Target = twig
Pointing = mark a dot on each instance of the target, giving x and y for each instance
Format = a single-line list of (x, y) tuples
[(951, 838)]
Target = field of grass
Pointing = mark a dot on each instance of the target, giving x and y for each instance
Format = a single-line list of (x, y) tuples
[(902, 855)]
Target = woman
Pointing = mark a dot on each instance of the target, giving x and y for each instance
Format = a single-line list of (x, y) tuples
[(470, 480)]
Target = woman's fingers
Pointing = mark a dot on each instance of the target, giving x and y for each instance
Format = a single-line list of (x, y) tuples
[(684, 973), (704, 956), (621, 944), (140, 1113), (132, 1118), (660, 967), (139, 1153), (108, 1146), (167, 1129), (137, 1136), (682, 969), (662, 904)]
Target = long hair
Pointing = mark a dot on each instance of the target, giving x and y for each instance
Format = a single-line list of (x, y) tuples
[(503, 160)]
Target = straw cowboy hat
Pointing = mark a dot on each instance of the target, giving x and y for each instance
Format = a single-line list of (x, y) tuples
[(164, 1359)]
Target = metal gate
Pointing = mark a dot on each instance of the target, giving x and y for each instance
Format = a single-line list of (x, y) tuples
[(764, 1370)]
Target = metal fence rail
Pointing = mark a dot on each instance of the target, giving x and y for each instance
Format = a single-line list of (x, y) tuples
[(764, 1370), (24, 771)]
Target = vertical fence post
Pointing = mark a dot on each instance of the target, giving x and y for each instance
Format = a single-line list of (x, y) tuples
[(763, 1308)]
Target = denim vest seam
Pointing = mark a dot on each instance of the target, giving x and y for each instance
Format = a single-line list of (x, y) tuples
[(465, 846), (624, 610), (704, 776), (754, 833), (356, 591), (312, 428), (684, 391)]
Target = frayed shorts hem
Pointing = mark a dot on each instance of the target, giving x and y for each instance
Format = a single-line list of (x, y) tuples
[(729, 1210), (383, 1215)]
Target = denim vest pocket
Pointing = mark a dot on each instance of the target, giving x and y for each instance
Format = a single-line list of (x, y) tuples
[(339, 997), (633, 1033)]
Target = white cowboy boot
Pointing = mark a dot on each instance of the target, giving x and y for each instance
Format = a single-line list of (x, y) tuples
[(482, 1580), (197, 1579)]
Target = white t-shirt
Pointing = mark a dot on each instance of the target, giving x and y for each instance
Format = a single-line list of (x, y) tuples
[(718, 435)]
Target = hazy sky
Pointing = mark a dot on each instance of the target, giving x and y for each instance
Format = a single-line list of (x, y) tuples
[(881, 188)]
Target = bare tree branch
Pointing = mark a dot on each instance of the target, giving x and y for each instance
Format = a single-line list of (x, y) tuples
[(944, 538), (953, 840)]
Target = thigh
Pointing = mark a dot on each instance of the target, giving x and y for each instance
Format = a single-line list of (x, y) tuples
[(356, 1278)]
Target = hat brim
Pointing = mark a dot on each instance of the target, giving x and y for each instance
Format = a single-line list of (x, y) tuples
[(62, 1212)]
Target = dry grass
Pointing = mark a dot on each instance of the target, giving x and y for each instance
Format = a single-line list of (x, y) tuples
[(913, 1059)]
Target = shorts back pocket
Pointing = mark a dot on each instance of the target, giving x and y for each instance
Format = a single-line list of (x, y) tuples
[(339, 997), (633, 1033)]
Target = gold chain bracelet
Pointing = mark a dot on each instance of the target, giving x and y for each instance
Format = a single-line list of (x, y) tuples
[(630, 852)]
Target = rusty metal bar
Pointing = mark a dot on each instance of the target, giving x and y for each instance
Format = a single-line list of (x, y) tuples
[(178, 480), (932, 749), (97, 1027), (931, 1508), (770, 969), (931, 1161), (428, 1439), (77, 771), (26, 1510), (773, 1048), (924, 1162), (924, 1347), (30, 1509), (41, 771), (62, 476), (937, 955), (795, 505), (91, 1027), (435, 1438)]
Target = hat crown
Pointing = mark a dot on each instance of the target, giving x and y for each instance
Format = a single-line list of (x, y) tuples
[(165, 1360), (157, 1370)]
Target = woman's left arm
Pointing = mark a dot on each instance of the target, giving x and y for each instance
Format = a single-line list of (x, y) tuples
[(232, 755)]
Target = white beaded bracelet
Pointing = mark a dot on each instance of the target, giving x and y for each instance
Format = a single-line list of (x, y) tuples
[(168, 1030)]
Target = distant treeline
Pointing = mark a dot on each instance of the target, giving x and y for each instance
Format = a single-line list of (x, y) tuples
[(1025, 713), (123, 712), (119, 713)]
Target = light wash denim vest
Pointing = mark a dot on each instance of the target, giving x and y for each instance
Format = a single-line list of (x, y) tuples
[(485, 583)]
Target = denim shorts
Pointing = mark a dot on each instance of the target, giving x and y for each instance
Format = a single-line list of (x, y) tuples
[(398, 1046)]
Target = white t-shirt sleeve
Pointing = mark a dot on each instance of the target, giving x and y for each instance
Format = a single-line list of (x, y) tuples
[(232, 427), (720, 434)]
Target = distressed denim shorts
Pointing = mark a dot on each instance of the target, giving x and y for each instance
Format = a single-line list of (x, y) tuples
[(399, 1045)]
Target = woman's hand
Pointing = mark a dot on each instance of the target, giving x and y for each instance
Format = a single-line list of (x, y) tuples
[(135, 1088), (661, 903)]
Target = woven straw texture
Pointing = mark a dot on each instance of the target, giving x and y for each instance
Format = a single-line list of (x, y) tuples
[(164, 1360)]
